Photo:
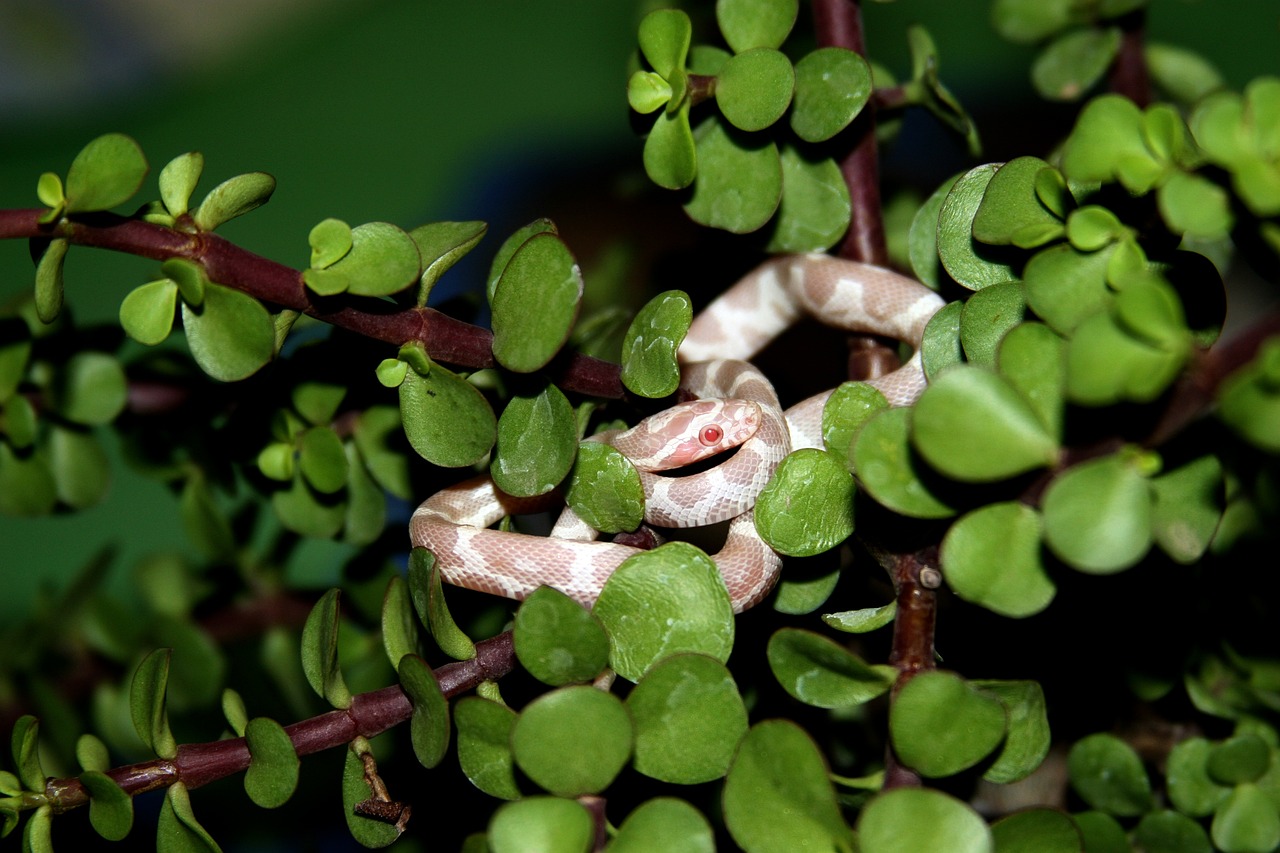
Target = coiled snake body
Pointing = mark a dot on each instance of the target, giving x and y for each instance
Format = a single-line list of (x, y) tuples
[(735, 407)]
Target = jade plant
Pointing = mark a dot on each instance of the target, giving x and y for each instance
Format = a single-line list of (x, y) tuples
[(1026, 613)]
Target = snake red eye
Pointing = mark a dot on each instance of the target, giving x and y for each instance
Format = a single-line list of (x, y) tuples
[(710, 435)]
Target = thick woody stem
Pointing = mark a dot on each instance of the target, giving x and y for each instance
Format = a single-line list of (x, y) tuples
[(369, 714)]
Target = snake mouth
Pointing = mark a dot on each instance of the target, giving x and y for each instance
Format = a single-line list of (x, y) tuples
[(701, 465)]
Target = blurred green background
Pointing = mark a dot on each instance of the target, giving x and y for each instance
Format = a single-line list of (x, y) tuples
[(405, 112)]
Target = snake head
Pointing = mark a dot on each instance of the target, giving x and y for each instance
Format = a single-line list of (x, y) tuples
[(689, 432)]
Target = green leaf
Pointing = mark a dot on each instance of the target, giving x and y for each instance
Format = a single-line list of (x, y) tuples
[(231, 335), (320, 652), (49, 283), (822, 673), (558, 640), (81, 470), (1065, 286), (447, 420), (754, 88), (987, 317), (1098, 515), (303, 510), (27, 486), (178, 181), (15, 352), (973, 265), (909, 820), (147, 703), (664, 39), (991, 557), (862, 621), (1188, 505), (573, 741), (428, 599), (804, 592), (833, 84), (670, 153), (922, 239), (535, 303), (807, 507), (368, 831), (377, 434), (1102, 833), (322, 460), (178, 830), (1036, 830), (1108, 133), (383, 260), (649, 366), (973, 425), (739, 182), (666, 824), (105, 173), (49, 191), (1189, 786), (440, 246), (689, 719), (941, 725), (147, 312), (1033, 358), (1028, 21), (429, 725), (484, 746), (1184, 75), (1243, 758), (1246, 822), (778, 797), (1074, 62), (233, 709), (233, 197), (24, 745), (19, 422), (647, 92), (91, 752), (1011, 205), (330, 241), (537, 442), (1027, 738), (890, 470), (91, 389), (748, 24), (190, 278), (940, 347), (848, 408), (1166, 831), (399, 625), (604, 489), (813, 213), (110, 808), (663, 602), (273, 764), (1193, 205), (1108, 775), (540, 824)]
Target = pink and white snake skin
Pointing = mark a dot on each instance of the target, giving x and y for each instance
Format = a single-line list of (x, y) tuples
[(736, 401)]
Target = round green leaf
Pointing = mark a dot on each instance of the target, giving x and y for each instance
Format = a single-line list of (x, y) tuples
[(1027, 736), (1107, 133), (670, 153), (1193, 205), (862, 621), (24, 742), (1102, 833), (1184, 74), (1011, 207), (973, 425), (330, 241), (754, 88), (573, 741), (27, 486), (1243, 758), (1246, 822), (447, 420), (177, 829), (991, 557), (558, 640), (988, 316), (649, 366), (1167, 831), (535, 303), (368, 831), (1033, 358), (320, 652), (848, 408), (383, 260), (537, 442), (1028, 21), (15, 352), (972, 264), (1108, 363), (1187, 780), (19, 422), (147, 312), (110, 808), (889, 469), (440, 246), (910, 820), (1097, 515), (303, 510), (605, 489), (689, 718), (832, 86), (664, 40), (822, 673), (105, 173), (739, 182), (1037, 830), (273, 764), (940, 348), (647, 91), (941, 725), (666, 824), (663, 602), (540, 825), (778, 798), (1108, 775), (91, 389), (807, 507), (322, 459), (233, 197), (747, 24), (147, 694), (231, 335), (484, 750), (80, 467), (813, 213), (429, 725), (1072, 63), (922, 240), (178, 181)]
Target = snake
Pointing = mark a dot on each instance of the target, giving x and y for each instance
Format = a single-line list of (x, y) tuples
[(728, 405)]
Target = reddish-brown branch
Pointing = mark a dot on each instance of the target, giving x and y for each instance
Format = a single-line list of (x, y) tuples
[(447, 339), (370, 714), (1129, 75)]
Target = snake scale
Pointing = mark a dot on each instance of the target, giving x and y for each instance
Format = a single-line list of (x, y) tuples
[(734, 406)]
